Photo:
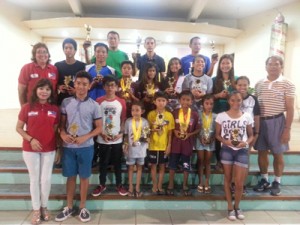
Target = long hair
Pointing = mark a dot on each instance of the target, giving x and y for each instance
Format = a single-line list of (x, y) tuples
[(218, 86), (147, 67), (41, 83), (37, 46), (169, 72)]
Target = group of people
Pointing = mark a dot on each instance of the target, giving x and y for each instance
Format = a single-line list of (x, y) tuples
[(85, 115)]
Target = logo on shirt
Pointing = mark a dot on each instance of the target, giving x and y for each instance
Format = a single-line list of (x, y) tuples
[(34, 75), (33, 113), (52, 76), (52, 114)]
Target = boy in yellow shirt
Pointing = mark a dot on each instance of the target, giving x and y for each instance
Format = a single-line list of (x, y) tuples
[(162, 125)]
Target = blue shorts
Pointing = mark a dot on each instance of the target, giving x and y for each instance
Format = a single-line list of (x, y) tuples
[(238, 157), (77, 161), (175, 158), (133, 161)]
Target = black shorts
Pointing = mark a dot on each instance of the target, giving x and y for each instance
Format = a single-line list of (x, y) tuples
[(176, 158), (157, 157)]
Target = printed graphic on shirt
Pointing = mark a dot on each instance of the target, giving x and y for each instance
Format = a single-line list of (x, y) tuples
[(34, 75), (52, 114), (234, 129), (109, 112), (33, 113), (52, 76)]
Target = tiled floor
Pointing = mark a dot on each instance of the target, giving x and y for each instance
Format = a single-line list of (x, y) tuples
[(162, 217)]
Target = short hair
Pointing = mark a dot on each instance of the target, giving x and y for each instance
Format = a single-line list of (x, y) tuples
[(113, 32), (194, 38), (199, 56), (243, 78), (206, 97), (150, 38), (41, 83), (276, 57), (99, 44), (125, 62), (84, 74), (160, 94), (234, 93), (36, 47), (186, 93), (138, 103), (108, 79), (70, 41)]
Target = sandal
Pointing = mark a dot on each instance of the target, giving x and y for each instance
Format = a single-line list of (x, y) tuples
[(130, 194), (200, 188), (138, 194), (160, 192), (207, 190), (45, 215), (36, 217), (154, 192), (186, 192), (170, 191)]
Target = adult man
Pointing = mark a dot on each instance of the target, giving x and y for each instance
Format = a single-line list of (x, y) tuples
[(187, 61), (275, 95)]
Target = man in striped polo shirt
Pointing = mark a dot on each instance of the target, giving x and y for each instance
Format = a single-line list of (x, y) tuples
[(275, 96)]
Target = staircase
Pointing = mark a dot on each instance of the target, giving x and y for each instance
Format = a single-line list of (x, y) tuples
[(14, 188)]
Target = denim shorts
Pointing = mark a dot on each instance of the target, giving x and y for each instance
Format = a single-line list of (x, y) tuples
[(133, 161), (77, 161), (238, 157), (176, 158)]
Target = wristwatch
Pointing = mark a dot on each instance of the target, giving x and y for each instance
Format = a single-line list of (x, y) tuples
[(247, 145)]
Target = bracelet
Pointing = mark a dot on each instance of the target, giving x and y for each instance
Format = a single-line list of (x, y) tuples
[(30, 139)]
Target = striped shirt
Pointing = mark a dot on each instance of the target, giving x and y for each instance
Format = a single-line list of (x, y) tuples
[(272, 95)]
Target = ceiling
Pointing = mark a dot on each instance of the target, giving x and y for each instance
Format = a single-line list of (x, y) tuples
[(167, 20)]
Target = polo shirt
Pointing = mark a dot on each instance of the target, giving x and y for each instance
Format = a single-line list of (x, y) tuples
[(114, 60), (157, 60), (31, 73), (186, 63), (40, 120), (81, 113)]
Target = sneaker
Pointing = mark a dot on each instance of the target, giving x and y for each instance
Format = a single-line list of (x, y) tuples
[(231, 215), (275, 189), (84, 215), (262, 185), (98, 191), (239, 214), (122, 190), (45, 214), (63, 215)]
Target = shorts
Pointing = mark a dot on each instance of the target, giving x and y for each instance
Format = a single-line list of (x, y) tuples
[(133, 161), (269, 135), (200, 147), (157, 157), (77, 161), (176, 158), (238, 157)]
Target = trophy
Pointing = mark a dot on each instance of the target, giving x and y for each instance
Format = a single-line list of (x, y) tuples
[(67, 81), (87, 43), (235, 136), (128, 82), (214, 56), (226, 84), (150, 90), (159, 123), (171, 81), (108, 129), (136, 143), (145, 134), (206, 136), (183, 128), (138, 44), (73, 130), (197, 84)]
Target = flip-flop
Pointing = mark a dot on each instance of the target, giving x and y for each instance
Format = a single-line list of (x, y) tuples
[(200, 188), (186, 192), (207, 190), (138, 194), (169, 191)]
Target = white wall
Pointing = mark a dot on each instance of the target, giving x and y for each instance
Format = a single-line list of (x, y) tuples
[(15, 47)]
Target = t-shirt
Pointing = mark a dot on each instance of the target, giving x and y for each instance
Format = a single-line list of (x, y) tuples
[(140, 150), (80, 118), (187, 63), (114, 60), (271, 95), (98, 90), (230, 126), (31, 73), (203, 83), (160, 142), (157, 60), (40, 120), (250, 105), (112, 112), (65, 70), (185, 147)]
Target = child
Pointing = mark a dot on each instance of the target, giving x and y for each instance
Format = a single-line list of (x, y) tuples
[(80, 122), (234, 131), (113, 114), (127, 87), (198, 82), (162, 124), (205, 143), (172, 83), (186, 127), (148, 87), (40, 116), (99, 70), (136, 133)]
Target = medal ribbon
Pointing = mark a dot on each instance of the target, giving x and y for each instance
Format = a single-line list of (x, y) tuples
[(206, 121), (185, 118), (136, 130)]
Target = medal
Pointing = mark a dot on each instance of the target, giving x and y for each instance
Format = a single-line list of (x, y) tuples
[(184, 120), (206, 122), (136, 132)]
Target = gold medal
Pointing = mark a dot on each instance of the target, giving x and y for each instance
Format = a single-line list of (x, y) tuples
[(184, 120), (136, 131)]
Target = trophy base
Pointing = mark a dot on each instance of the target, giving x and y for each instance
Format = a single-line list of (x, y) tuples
[(142, 139), (182, 136), (235, 143), (136, 143)]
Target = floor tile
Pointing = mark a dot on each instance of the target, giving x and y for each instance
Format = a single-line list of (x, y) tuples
[(187, 217), (117, 217), (285, 217), (153, 217), (258, 217), (218, 217), (95, 217), (13, 217)]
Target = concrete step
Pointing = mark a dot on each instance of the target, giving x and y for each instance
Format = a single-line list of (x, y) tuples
[(17, 197)]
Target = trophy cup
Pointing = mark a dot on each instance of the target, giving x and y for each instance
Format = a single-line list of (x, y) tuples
[(87, 43), (235, 136), (108, 129), (183, 128), (206, 136), (145, 134), (150, 90), (67, 81), (159, 123), (128, 82), (226, 84), (73, 130), (171, 81), (214, 56)]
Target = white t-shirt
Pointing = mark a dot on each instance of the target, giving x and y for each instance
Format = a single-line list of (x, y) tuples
[(228, 125)]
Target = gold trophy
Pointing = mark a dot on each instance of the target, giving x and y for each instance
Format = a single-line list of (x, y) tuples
[(171, 81), (159, 123), (214, 56), (87, 43), (73, 130), (226, 84), (128, 82), (67, 81), (183, 128), (150, 90), (108, 129), (206, 136), (145, 134), (235, 137)]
